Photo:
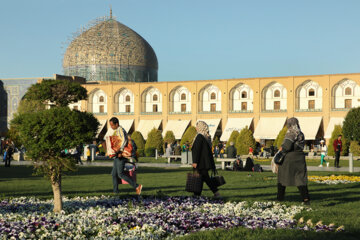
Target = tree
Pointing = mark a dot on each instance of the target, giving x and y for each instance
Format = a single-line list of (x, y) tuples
[(139, 141), (351, 125), (216, 141), (169, 137), (188, 136), (45, 134), (155, 140), (244, 140), (58, 92), (355, 148), (232, 138), (345, 144), (280, 137)]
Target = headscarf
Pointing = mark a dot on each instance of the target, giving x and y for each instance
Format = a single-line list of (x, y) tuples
[(294, 133), (203, 129)]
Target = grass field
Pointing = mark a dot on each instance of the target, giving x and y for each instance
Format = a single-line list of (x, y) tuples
[(337, 204)]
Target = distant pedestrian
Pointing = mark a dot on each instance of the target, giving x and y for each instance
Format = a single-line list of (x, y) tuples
[(337, 144), (231, 151), (203, 160), (9, 150), (323, 150)]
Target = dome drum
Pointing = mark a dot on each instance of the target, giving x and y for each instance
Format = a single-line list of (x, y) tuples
[(113, 72)]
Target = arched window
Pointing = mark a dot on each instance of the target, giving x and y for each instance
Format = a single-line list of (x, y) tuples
[(244, 94), (213, 96), (311, 92), (183, 96), (127, 98), (101, 99), (155, 97), (348, 91), (277, 93)]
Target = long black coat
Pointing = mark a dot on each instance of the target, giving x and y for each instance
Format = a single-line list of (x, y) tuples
[(293, 170), (202, 154)]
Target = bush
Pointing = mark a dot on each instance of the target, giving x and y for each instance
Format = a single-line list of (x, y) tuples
[(351, 125), (169, 137), (280, 137), (232, 138), (188, 136), (244, 141), (355, 148), (150, 152), (140, 152), (154, 140), (345, 145), (215, 142), (138, 139)]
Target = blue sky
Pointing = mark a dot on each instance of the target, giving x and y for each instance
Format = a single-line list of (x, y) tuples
[(193, 39)]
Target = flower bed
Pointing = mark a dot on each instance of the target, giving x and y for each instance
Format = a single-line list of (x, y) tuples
[(107, 217), (334, 179)]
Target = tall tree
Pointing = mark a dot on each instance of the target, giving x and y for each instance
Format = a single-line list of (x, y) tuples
[(155, 140), (232, 138), (58, 92), (351, 125), (169, 137), (244, 141), (188, 136), (334, 135), (280, 137), (46, 133)]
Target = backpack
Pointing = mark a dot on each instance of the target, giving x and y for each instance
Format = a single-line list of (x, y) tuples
[(257, 168)]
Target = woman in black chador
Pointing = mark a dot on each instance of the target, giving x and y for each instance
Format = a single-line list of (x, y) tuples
[(293, 172), (202, 156)]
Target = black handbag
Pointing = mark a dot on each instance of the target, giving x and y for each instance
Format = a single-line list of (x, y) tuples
[(279, 157), (193, 182), (217, 180)]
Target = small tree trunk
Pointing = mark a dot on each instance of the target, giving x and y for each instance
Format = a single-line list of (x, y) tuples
[(56, 187)]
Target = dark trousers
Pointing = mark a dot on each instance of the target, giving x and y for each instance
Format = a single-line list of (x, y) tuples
[(304, 192), (118, 172), (337, 158), (206, 178), (7, 161)]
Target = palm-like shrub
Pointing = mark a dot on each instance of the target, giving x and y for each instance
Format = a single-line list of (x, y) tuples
[(244, 141)]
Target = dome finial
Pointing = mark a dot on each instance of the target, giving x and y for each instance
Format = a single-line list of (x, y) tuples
[(110, 12)]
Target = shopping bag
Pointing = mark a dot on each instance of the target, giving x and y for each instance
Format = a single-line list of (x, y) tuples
[(130, 171), (218, 180), (193, 182)]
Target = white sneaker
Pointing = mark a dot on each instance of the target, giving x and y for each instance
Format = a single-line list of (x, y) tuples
[(327, 164), (320, 165)]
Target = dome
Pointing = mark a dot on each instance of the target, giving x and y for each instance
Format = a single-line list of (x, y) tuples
[(110, 51)]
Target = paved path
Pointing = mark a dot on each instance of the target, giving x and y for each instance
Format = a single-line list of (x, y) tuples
[(175, 165)]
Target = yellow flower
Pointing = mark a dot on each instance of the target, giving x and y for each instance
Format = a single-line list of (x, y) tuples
[(309, 223)]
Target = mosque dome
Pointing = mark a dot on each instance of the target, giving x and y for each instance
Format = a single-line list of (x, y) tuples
[(111, 51)]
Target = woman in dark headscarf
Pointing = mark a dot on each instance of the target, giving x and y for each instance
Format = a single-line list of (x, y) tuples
[(293, 171), (202, 156)]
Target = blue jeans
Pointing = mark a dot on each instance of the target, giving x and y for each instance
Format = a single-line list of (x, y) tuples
[(118, 172)]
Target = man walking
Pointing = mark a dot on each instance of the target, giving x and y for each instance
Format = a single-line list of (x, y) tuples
[(120, 157), (337, 144)]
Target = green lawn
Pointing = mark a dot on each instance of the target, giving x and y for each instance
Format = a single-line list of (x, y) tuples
[(337, 204)]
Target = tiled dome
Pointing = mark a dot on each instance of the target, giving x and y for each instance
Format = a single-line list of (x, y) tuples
[(110, 51)]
